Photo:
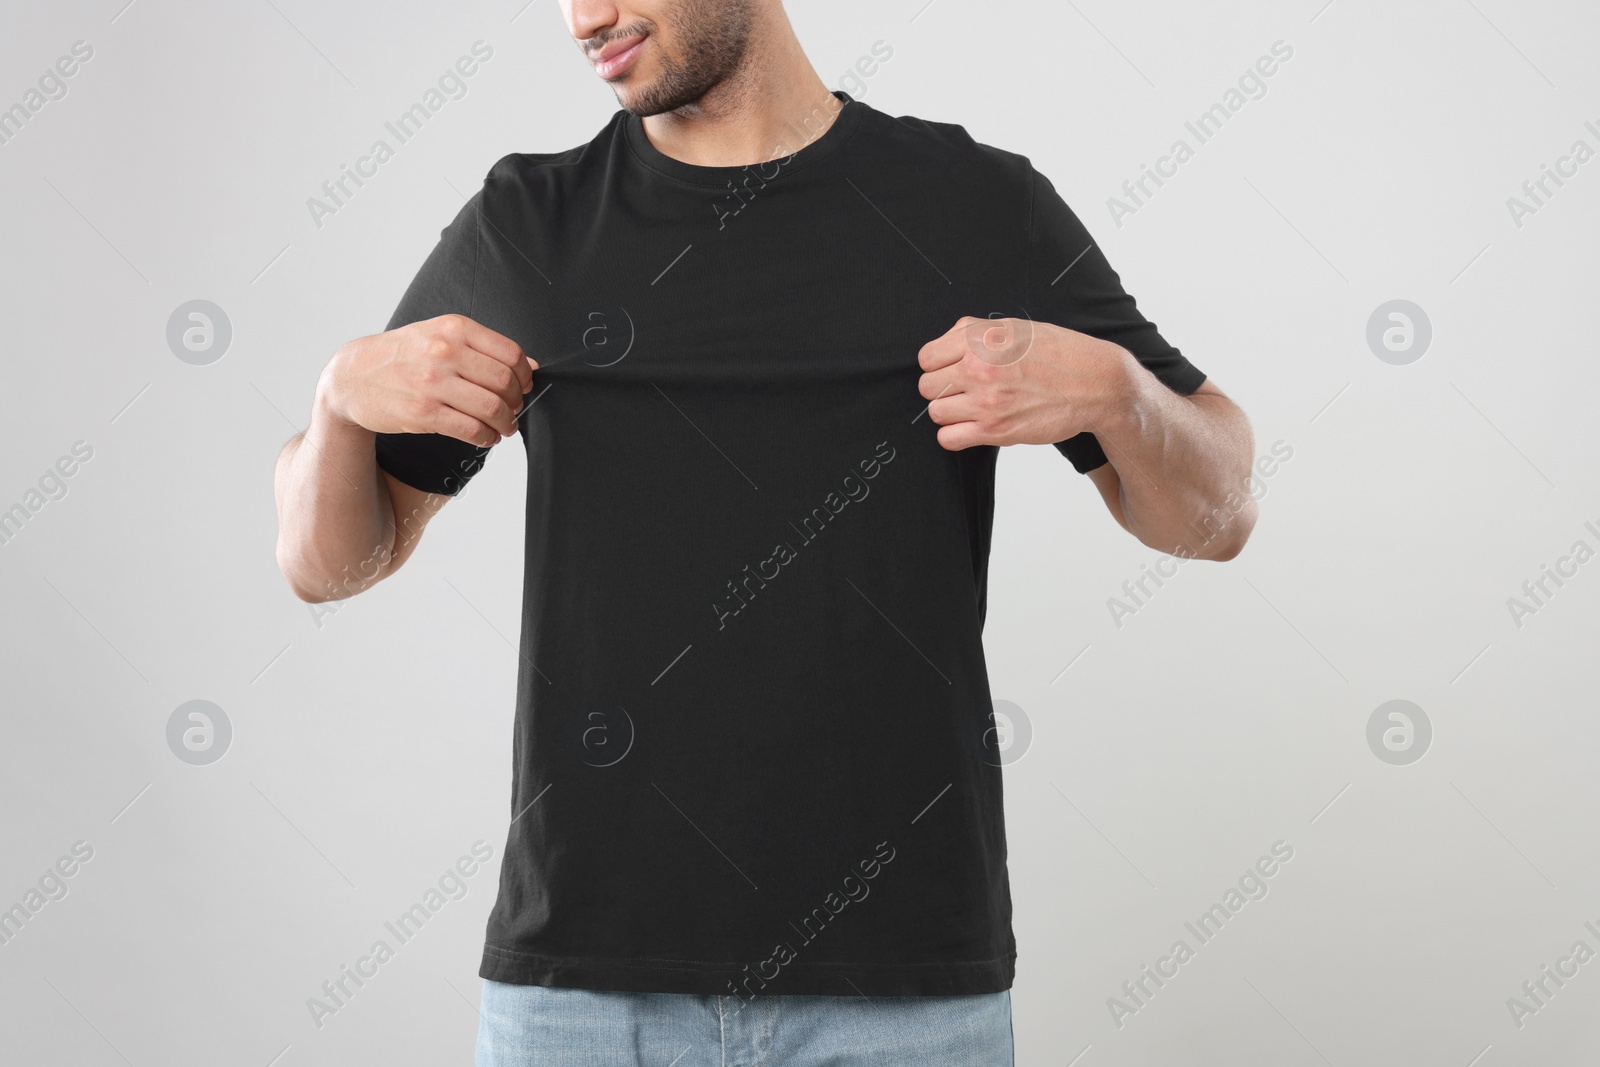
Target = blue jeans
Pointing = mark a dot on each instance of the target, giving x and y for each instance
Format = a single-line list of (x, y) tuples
[(523, 1025)]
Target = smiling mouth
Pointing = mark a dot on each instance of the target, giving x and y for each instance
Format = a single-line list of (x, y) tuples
[(619, 60)]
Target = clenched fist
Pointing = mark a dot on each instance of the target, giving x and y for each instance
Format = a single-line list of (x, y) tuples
[(1015, 381), (448, 375)]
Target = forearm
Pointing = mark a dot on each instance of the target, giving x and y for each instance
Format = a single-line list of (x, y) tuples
[(1182, 464), (335, 519)]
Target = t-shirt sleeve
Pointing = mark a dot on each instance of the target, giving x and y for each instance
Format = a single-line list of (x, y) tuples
[(1071, 284), (432, 462)]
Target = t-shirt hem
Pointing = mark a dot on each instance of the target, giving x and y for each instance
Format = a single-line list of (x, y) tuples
[(798, 978)]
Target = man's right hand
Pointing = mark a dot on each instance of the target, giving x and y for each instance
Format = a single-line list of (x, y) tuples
[(448, 375)]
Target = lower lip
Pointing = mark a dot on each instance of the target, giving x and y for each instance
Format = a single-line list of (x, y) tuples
[(617, 64)]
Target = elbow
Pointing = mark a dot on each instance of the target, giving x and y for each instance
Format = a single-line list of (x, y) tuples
[(1233, 534), (1219, 530), (301, 582)]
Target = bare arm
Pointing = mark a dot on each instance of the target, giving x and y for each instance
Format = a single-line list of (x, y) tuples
[(340, 517), (343, 523), (1179, 469)]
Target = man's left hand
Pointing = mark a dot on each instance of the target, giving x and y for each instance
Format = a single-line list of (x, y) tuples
[(1015, 381)]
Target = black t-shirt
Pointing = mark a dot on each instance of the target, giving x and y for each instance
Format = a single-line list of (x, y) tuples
[(752, 748)]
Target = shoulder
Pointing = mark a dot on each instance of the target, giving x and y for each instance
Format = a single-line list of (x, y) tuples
[(544, 174), (948, 145)]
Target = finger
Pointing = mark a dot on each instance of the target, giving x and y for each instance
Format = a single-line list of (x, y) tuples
[(946, 382), (491, 374), (497, 346), (947, 349), (960, 435), (482, 404), (446, 420), (953, 409)]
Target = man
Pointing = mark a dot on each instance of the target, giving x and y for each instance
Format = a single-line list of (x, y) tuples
[(762, 343)]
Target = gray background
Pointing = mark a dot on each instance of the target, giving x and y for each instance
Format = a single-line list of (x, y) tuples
[(1229, 713)]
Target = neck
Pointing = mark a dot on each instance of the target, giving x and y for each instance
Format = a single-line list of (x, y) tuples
[(771, 107)]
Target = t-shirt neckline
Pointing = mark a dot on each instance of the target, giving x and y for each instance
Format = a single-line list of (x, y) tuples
[(809, 152)]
